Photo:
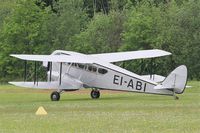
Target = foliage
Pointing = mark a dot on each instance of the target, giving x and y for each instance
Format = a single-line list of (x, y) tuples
[(42, 26), (19, 34), (102, 34), (170, 27), (32, 30), (58, 29)]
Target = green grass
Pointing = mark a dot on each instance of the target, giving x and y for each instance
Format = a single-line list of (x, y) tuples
[(113, 112)]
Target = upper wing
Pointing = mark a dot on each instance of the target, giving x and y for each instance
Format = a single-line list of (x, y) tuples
[(53, 58), (123, 56)]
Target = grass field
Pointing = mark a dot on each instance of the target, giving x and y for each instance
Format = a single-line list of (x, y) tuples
[(113, 112)]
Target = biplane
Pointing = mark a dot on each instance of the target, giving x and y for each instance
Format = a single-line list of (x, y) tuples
[(71, 71)]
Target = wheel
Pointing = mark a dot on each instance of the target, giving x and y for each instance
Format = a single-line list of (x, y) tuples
[(176, 98), (95, 94), (55, 96)]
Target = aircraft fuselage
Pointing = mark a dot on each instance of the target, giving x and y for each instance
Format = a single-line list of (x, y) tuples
[(97, 76)]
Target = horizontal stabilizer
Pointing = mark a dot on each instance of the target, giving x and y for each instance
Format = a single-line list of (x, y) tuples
[(188, 86), (154, 77), (45, 85)]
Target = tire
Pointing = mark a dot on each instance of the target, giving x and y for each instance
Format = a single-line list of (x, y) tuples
[(95, 94), (176, 98), (55, 96)]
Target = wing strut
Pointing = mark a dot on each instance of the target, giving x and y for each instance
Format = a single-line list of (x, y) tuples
[(151, 68), (50, 69), (142, 67), (35, 74), (60, 73), (25, 70)]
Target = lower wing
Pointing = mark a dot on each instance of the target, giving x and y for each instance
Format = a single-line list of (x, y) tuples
[(48, 85)]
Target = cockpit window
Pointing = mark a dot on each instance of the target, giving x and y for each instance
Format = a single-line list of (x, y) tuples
[(64, 54), (74, 64), (102, 71)]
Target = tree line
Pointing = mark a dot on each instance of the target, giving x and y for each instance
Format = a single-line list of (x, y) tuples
[(99, 26)]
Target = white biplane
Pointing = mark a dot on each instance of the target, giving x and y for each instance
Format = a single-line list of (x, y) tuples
[(70, 71)]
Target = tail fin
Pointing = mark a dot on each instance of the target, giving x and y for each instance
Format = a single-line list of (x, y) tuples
[(175, 81)]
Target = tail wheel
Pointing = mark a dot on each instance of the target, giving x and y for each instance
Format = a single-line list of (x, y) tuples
[(176, 97), (95, 94), (55, 96)]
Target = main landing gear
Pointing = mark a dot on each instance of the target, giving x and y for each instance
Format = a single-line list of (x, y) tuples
[(55, 96), (95, 94)]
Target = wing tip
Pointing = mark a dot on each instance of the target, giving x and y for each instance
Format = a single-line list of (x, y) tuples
[(166, 52), (13, 55)]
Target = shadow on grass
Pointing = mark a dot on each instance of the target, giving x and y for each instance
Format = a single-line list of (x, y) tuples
[(63, 99), (100, 99)]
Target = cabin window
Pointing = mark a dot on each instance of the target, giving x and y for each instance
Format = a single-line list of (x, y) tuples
[(102, 71), (81, 66), (89, 68), (94, 69)]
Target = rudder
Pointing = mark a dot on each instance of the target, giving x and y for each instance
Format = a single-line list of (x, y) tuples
[(177, 79)]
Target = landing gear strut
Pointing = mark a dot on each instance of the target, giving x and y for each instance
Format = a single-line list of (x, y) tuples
[(95, 94), (55, 96)]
